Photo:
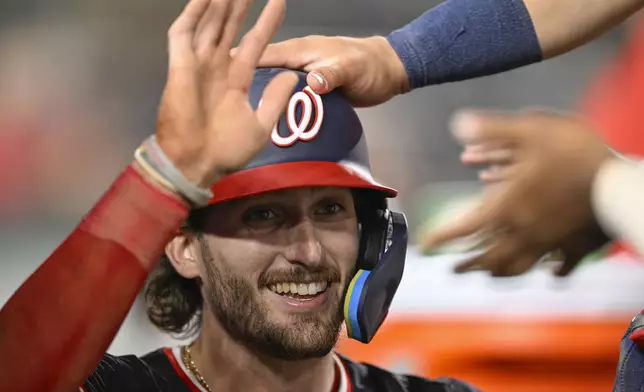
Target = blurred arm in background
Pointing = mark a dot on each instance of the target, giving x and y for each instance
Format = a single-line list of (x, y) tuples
[(456, 40), (552, 185)]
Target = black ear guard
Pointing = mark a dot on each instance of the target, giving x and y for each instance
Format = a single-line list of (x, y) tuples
[(383, 248)]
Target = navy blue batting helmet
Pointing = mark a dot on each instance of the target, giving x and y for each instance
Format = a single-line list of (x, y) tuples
[(319, 142)]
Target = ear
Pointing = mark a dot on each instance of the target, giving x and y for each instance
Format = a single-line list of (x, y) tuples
[(182, 254)]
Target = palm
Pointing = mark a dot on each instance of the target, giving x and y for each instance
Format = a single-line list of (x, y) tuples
[(236, 133), (206, 124)]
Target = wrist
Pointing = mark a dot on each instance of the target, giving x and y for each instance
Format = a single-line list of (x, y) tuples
[(154, 160), (157, 183), (395, 74), (188, 163), (464, 39)]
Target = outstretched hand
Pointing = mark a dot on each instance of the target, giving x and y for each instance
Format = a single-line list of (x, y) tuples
[(206, 125), (537, 198)]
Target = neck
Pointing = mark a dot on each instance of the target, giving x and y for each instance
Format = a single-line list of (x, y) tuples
[(227, 365)]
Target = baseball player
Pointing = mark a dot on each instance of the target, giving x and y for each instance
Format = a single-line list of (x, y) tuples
[(255, 193)]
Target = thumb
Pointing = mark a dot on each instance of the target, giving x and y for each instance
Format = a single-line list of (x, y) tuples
[(325, 79)]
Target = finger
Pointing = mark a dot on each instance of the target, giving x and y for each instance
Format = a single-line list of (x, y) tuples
[(232, 26), (182, 31), (571, 261), (297, 54), (275, 99), (482, 217), (483, 147), (470, 127), (324, 79), (285, 54), (254, 43), (487, 215), (210, 27), (496, 173), (487, 155), (470, 224), (494, 259), (541, 111), (517, 264)]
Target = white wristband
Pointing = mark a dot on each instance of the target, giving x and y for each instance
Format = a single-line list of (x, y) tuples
[(151, 157)]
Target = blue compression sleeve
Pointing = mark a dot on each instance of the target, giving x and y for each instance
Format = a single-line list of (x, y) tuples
[(465, 39)]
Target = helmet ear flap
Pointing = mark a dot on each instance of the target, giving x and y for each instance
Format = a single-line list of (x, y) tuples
[(380, 265), (371, 208)]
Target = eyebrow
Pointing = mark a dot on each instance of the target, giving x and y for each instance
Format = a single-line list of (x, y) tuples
[(311, 190)]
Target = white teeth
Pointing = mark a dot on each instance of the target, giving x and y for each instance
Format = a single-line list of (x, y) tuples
[(312, 288)]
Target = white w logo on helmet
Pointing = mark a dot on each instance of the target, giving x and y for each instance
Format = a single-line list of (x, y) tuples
[(305, 129)]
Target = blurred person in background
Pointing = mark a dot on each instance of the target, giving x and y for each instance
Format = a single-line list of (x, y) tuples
[(269, 246)]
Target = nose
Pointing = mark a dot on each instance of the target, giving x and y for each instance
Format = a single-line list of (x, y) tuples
[(304, 245)]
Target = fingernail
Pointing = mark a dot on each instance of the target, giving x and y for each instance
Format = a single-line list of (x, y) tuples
[(464, 125), (320, 80)]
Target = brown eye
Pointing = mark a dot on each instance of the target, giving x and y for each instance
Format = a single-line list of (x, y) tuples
[(260, 215), (330, 209)]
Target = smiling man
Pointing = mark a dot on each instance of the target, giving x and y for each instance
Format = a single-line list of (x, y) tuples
[(287, 250), (252, 216)]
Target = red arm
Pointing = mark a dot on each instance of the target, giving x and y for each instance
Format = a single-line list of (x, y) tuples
[(56, 327)]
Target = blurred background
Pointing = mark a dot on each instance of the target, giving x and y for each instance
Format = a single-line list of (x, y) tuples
[(79, 85)]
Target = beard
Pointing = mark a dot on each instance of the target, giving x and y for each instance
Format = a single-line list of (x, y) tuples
[(236, 305)]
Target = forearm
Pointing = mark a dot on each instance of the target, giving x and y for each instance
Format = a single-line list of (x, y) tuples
[(565, 25), (56, 327), (465, 39), (618, 201)]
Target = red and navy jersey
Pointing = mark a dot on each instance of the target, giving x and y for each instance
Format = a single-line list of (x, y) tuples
[(163, 371), (630, 370)]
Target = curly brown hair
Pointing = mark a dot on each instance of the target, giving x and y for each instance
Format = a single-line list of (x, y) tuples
[(175, 303)]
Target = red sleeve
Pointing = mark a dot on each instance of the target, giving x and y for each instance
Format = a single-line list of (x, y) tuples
[(56, 327)]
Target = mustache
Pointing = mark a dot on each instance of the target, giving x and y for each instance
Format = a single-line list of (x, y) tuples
[(301, 275)]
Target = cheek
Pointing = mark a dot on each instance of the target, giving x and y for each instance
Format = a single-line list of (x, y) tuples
[(343, 247), (242, 258)]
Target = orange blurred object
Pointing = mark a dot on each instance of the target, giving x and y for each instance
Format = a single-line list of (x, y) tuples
[(504, 354)]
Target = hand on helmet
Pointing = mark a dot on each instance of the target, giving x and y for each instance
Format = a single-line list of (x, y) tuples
[(367, 69)]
